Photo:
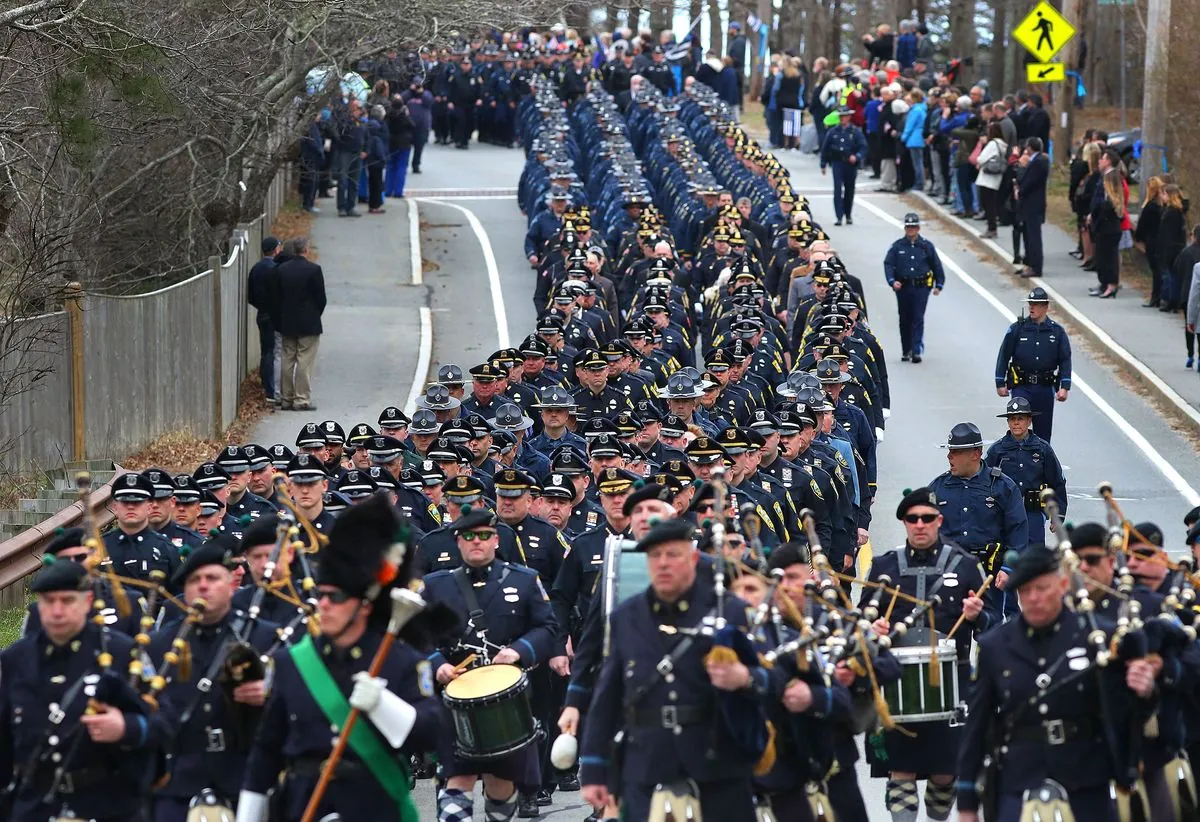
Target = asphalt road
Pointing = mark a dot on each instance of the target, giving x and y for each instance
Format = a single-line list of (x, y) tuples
[(480, 288)]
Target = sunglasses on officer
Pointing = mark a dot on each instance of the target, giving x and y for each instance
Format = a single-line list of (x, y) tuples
[(335, 595), (1092, 558), (913, 519), (471, 536)]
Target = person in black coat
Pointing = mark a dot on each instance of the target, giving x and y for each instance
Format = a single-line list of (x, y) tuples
[(260, 293), (1037, 121), (377, 158), (420, 104), (1031, 204), (1105, 222), (312, 159), (1172, 237), (300, 301), (401, 129)]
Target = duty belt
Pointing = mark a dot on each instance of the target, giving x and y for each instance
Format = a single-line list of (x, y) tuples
[(1036, 377), (1033, 499), (78, 780), (670, 716), (1054, 732)]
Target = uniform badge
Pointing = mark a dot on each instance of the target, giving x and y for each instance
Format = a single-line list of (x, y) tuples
[(592, 518), (425, 677), (1036, 456), (990, 502), (816, 490)]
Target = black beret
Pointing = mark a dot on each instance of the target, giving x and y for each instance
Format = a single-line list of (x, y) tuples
[(1089, 535), (1036, 561), (61, 576), (649, 491), (918, 496), (262, 531), (671, 530), (1152, 533), (789, 554), (64, 539)]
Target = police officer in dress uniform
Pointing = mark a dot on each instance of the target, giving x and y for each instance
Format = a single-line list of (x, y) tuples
[(681, 718), (1035, 362), (135, 548), (215, 480), (162, 511), (242, 502), (255, 550), (595, 397), (556, 406), (307, 483), (983, 510), (214, 717), (508, 621), (1030, 462), (924, 567), (65, 763), (1042, 710), (844, 148), (914, 271), (318, 681)]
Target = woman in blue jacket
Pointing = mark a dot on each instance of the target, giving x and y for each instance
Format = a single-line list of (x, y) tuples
[(913, 136)]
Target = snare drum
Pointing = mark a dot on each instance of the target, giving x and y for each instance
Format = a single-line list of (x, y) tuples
[(490, 707), (912, 698)]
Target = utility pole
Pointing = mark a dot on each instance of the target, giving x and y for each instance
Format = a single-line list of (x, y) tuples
[(1073, 12), (1154, 93)]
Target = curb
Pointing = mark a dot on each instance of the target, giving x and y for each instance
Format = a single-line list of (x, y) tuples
[(1162, 390)]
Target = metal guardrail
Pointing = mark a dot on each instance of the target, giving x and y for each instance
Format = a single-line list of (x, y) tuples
[(22, 555)]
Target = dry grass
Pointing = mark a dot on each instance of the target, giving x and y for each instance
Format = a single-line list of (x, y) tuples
[(293, 221)]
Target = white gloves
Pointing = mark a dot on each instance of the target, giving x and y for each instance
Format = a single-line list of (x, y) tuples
[(887, 413), (879, 435), (251, 807), (391, 715), (367, 689)]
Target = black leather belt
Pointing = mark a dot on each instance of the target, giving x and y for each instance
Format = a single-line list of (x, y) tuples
[(310, 768), (1054, 732), (1040, 378), (670, 716), (74, 781)]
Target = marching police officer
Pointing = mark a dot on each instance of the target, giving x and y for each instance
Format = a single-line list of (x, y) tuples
[(1030, 462), (1042, 711), (135, 548), (914, 271), (241, 502), (162, 511), (983, 510), (255, 551), (77, 740), (508, 622), (214, 716), (318, 681), (844, 148), (683, 720), (1035, 362)]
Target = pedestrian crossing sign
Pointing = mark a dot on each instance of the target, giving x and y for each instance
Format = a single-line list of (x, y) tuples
[(1043, 32), (1045, 72)]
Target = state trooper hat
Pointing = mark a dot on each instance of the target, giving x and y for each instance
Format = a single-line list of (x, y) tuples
[(559, 486), (912, 218), (305, 468), (334, 434), (964, 435), (424, 421), (259, 457), (437, 397), (392, 418), (209, 475), (680, 387), (383, 449), (132, 487), (187, 490), (555, 396), (281, 455), (451, 375), (310, 436), (357, 484), (829, 372), (1038, 295), (1018, 406), (161, 481), (233, 459), (509, 417)]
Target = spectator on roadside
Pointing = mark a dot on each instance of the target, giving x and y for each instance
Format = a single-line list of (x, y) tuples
[(1188, 263), (260, 288), (420, 108), (736, 58), (1172, 237), (1008, 129), (1078, 172), (312, 157), (906, 44), (967, 135), (791, 98), (377, 159), (300, 300), (924, 46), (817, 107), (1081, 203), (1031, 204), (1105, 223), (889, 139), (772, 107), (993, 154), (913, 136), (400, 130), (1145, 236), (882, 46), (349, 151), (940, 111), (1038, 121), (874, 130)]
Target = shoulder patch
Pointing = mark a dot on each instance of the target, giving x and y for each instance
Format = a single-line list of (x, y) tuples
[(425, 677)]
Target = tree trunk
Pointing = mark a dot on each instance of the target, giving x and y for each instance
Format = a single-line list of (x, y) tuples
[(662, 16), (963, 39), (765, 13), (816, 41), (695, 9), (1000, 35), (791, 29), (862, 22), (834, 44), (716, 31)]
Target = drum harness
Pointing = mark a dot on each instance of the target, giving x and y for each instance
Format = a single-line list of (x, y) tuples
[(476, 622), (948, 559)]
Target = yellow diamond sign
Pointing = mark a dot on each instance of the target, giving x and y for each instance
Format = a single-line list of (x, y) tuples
[(1045, 72), (1043, 32)]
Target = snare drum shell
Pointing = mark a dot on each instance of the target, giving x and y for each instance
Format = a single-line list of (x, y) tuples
[(491, 726)]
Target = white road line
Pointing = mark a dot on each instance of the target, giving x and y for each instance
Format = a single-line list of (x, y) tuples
[(1164, 467), (489, 259), (512, 198), (424, 358), (1169, 393), (414, 243)]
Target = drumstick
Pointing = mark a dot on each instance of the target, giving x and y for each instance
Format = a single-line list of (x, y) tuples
[(466, 663), (962, 617)]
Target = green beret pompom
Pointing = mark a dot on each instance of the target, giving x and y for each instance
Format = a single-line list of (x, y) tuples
[(184, 550), (49, 559), (58, 532), (639, 484), (654, 521), (905, 492), (245, 519), (1011, 557), (464, 510)]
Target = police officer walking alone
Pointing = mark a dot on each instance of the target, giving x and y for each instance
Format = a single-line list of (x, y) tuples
[(844, 148), (913, 269), (1035, 362)]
